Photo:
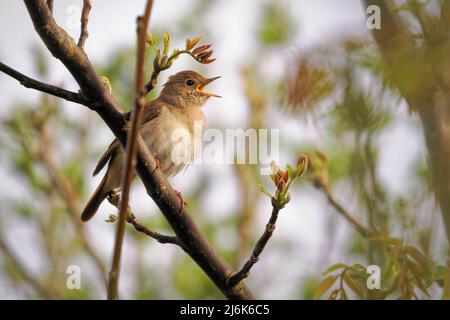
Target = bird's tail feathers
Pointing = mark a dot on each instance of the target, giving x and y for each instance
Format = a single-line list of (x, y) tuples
[(95, 201)]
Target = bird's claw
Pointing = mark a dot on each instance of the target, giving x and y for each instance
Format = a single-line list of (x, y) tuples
[(158, 165), (182, 201)]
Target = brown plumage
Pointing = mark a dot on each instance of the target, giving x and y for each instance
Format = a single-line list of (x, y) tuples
[(167, 128)]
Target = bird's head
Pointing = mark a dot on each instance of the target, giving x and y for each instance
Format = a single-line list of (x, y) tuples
[(186, 89)]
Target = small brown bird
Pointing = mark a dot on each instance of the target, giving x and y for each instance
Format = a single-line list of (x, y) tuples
[(178, 107)]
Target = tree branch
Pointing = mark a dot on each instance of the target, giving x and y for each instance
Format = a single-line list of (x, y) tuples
[(87, 5), (193, 242), (259, 247), (40, 86), (130, 157), (161, 238), (365, 232), (114, 199)]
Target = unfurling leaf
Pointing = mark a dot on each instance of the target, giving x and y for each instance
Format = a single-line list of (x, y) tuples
[(417, 255), (334, 294), (355, 285), (150, 39), (334, 267), (446, 291), (264, 190), (324, 285), (166, 42), (207, 61), (204, 55), (191, 43), (201, 48)]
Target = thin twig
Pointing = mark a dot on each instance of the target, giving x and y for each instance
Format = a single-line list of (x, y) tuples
[(87, 5), (131, 146), (365, 232), (40, 86), (150, 85), (259, 247), (161, 238), (114, 199), (65, 190)]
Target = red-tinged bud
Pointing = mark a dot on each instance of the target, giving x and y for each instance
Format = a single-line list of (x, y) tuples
[(204, 55), (276, 179), (201, 48), (302, 165), (285, 176), (207, 61), (302, 158)]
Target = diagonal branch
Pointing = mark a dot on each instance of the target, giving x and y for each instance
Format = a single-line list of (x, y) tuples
[(40, 86), (259, 248), (362, 230), (161, 238), (87, 5), (192, 240)]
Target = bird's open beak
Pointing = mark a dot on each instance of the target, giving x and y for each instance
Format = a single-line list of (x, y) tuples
[(203, 84)]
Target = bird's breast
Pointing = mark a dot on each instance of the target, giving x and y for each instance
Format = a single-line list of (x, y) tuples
[(174, 141)]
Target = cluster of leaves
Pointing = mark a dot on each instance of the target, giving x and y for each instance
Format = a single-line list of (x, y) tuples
[(306, 86), (46, 213), (283, 180), (163, 60), (405, 271), (277, 25)]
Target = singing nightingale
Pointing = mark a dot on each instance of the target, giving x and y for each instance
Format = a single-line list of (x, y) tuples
[(178, 107)]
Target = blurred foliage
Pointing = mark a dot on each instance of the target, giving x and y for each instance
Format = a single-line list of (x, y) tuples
[(278, 24)]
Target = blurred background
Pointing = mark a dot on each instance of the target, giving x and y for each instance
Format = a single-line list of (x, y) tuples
[(308, 68)]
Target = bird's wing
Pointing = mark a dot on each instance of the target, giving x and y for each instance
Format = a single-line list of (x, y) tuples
[(149, 112), (113, 147)]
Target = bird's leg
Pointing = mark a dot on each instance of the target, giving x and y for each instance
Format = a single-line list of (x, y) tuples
[(182, 201)]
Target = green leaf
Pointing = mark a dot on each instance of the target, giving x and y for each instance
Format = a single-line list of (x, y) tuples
[(446, 291), (150, 40), (324, 285), (356, 285), (334, 294), (264, 190), (439, 273), (291, 171), (418, 277), (334, 267), (414, 253), (384, 240)]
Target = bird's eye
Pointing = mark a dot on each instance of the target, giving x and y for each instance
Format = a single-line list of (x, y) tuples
[(190, 82)]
